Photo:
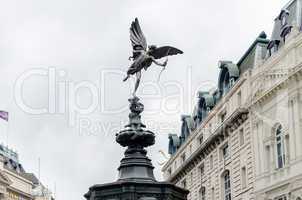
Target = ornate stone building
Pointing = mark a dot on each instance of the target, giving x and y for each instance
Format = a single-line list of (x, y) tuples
[(243, 140), (15, 182)]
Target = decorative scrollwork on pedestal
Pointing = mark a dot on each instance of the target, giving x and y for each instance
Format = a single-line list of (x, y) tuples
[(134, 135)]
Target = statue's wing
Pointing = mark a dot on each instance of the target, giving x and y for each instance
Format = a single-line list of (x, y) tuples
[(136, 35), (165, 51)]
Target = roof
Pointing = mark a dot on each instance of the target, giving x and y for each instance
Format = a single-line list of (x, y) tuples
[(12, 165), (9, 153), (260, 39), (277, 30), (31, 177)]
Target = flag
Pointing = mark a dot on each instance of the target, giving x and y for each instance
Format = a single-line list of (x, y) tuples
[(4, 115)]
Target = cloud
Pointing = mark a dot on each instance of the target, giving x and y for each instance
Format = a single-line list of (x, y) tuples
[(84, 38)]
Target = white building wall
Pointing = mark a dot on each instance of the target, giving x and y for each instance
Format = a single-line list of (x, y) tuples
[(279, 103), (272, 93)]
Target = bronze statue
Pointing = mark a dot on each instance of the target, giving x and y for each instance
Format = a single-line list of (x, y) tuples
[(144, 56)]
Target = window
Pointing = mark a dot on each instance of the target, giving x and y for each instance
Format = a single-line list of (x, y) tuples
[(200, 139), (184, 184), (283, 20), (169, 171), (232, 82), (280, 147), (241, 137), (285, 31), (202, 193), (226, 83), (183, 157), (268, 157), (201, 170), (211, 161), (210, 128), (227, 186), (225, 151), (222, 117), (283, 17), (273, 46), (191, 177), (239, 98), (243, 177)]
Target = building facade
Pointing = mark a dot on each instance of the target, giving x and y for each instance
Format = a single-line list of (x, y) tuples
[(243, 140), (18, 186), (15, 182)]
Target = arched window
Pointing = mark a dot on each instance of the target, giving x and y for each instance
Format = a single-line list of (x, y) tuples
[(280, 150), (202, 193), (226, 186)]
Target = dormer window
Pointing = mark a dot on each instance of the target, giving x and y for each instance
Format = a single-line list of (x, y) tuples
[(285, 27), (285, 31), (273, 46), (283, 21), (226, 83), (229, 73), (283, 17)]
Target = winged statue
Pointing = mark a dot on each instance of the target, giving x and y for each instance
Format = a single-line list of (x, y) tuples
[(143, 56)]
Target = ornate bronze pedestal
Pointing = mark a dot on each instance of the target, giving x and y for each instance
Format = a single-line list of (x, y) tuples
[(136, 180)]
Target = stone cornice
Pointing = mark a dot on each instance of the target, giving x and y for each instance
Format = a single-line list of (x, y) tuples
[(4, 179), (17, 176), (229, 125)]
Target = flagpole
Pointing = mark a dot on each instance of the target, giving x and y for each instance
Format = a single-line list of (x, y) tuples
[(39, 170)]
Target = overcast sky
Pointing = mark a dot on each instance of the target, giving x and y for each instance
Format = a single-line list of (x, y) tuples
[(86, 44)]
